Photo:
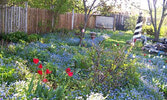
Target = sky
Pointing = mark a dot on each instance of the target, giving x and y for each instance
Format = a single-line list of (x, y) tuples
[(126, 9), (143, 3)]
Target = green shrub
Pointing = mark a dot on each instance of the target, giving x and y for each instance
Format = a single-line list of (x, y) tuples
[(8, 74), (163, 31), (130, 23), (3, 36), (63, 31), (77, 31), (110, 67), (13, 69), (16, 36), (11, 49), (33, 37), (148, 29), (113, 69), (82, 61)]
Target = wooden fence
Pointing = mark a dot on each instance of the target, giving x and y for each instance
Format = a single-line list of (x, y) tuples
[(40, 21), (120, 21), (12, 19), (34, 20)]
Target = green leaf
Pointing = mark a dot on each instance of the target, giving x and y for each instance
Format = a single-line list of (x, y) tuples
[(31, 84)]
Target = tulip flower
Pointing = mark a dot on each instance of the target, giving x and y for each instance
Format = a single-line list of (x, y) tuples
[(48, 71), (45, 80), (40, 72), (70, 74), (68, 70), (40, 66), (35, 60)]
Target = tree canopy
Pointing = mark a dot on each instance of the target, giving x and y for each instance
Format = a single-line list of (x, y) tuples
[(59, 6)]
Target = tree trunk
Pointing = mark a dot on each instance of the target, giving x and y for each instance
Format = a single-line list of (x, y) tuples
[(157, 28), (156, 39), (83, 33), (87, 13)]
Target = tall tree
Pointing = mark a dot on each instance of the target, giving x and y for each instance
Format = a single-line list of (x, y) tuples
[(89, 9), (153, 13), (78, 6)]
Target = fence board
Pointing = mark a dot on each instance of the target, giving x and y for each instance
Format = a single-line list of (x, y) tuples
[(0, 20)]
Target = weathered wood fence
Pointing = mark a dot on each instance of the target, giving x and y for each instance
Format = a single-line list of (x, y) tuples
[(120, 21), (40, 21), (12, 19), (34, 20)]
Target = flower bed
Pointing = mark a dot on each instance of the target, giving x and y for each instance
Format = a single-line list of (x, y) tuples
[(62, 70)]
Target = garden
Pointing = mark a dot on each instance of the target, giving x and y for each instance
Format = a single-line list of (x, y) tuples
[(53, 66)]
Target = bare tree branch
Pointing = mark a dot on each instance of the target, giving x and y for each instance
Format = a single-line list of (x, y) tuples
[(99, 4), (150, 12), (91, 7), (140, 8), (162, 16), (165, 14), (155, 15)]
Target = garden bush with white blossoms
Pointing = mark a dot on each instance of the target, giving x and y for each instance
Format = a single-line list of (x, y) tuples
[(53, 67)]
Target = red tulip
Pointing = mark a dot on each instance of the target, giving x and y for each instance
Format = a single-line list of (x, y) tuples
[(144, 54), (40, 66), (117, 44), (40, 72), (35, 60), (149, 60), (68, 70), (166, 61), (48, 72), (70, 74), (45, 80), (135, 40)]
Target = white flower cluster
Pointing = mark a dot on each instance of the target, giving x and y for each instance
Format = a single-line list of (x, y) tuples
[(96, 96), (92, 96)]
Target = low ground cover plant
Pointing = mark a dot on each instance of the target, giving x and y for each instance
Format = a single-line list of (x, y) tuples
[(19, 36), (52, 68)]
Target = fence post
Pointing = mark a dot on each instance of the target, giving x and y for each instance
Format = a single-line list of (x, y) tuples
[(12, 18), (3, 19), (6, 16), (0, 20), (19, 20), (72, 27), (26, 7)]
